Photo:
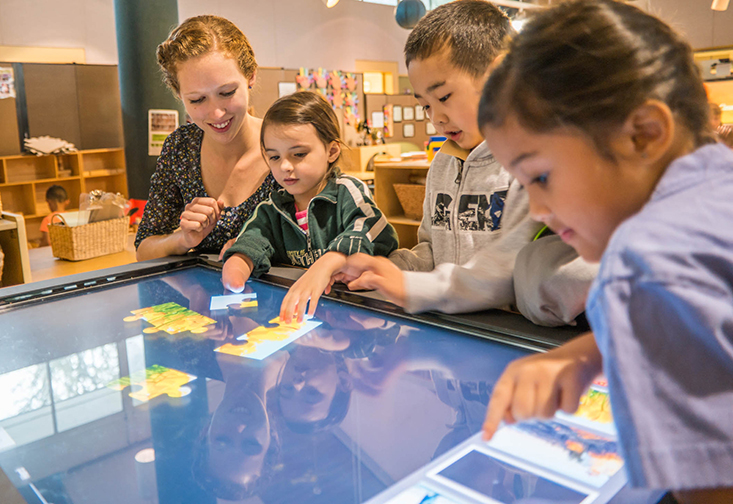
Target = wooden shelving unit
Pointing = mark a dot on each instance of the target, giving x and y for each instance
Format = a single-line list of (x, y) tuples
[(16, 267), (385, 176), (25, 179)]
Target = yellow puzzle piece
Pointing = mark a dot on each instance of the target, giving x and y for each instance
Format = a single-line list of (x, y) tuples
[(280, 332), (171, 318), (153, 382)]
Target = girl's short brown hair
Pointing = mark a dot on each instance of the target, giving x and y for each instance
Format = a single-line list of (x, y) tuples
[(200, 35), (306, 107), (587, 64)]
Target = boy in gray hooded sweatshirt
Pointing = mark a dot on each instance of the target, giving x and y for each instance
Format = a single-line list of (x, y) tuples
[(477, 246)]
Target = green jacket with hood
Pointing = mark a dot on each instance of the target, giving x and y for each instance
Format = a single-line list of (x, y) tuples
[(341, 218)]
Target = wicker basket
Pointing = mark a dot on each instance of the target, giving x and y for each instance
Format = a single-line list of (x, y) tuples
[(411, 197), (87, 241)]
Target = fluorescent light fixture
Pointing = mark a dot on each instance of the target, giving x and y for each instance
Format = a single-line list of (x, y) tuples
[(720, 5), (330, 3)]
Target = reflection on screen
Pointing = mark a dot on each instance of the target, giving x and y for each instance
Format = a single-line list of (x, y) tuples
[(337, 415), (506, 483)]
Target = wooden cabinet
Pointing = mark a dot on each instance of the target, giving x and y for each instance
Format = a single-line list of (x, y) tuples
[(356, 158), (25, 179), (385, 176), (16, 264)]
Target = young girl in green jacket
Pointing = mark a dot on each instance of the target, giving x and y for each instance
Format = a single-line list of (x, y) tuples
[(318, 218)]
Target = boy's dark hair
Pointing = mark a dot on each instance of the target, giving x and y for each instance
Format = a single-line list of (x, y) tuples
[(472, 30), (587, 64), (56, 193), (306, 107)]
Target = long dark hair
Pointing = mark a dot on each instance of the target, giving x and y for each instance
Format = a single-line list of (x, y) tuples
[(587, 64)]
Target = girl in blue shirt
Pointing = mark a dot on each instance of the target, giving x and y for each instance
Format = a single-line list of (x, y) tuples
[(599, 111)]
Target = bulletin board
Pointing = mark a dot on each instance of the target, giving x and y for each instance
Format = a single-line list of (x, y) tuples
[(376, 103), (267, 90)]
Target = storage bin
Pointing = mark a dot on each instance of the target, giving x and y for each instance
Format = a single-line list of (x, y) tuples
[(89, 240), (411, 197)]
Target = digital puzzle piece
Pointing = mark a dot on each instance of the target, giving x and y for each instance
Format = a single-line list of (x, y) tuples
[(233, 301), (171, 318), (262, 341), (153, 382)]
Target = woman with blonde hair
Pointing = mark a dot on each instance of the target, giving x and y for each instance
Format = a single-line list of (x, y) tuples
[(210, 175)]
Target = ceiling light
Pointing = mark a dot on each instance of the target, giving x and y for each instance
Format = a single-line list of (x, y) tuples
[(720, 5), (330, 3)]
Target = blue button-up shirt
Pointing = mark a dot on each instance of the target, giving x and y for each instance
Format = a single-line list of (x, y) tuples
[(661, 309)]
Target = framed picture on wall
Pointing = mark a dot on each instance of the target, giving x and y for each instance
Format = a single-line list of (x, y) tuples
[(408, 114), (419, 113), (408, 130), (286, 88), (429, 128), (377, 119), (161, 123), (397, 113)]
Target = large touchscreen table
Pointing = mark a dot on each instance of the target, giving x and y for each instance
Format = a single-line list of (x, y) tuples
[(157, 389)]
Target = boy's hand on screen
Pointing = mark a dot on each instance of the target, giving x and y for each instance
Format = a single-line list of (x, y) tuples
[(376, 273), (236, 272), (311, 286), (198, 220), (538, 385)]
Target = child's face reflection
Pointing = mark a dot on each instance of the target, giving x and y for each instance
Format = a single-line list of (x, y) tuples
[(308, 384), (337, 337), (239, 437)]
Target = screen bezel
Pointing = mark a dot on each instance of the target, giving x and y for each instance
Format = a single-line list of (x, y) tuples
[(496, 325)]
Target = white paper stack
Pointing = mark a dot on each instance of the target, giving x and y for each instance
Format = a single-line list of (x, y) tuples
[(43, 145)]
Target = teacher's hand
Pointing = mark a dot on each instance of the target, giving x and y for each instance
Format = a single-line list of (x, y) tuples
[(198, 220)]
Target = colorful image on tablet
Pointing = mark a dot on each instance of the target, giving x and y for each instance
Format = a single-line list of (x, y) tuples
[(573, 452), (594, 411)]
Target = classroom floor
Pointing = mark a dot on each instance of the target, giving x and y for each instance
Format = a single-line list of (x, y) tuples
[(45, 266)]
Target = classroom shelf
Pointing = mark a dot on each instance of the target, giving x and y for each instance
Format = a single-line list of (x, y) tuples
[(25, 179), (385, 176)]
